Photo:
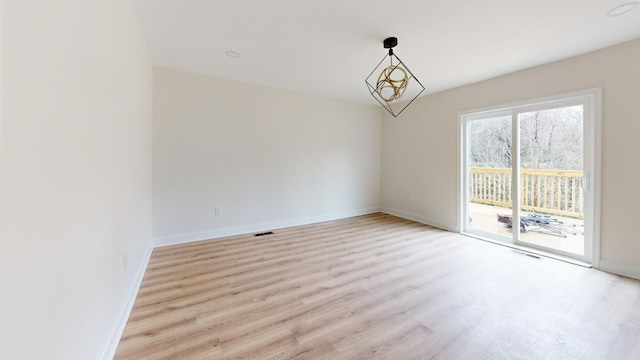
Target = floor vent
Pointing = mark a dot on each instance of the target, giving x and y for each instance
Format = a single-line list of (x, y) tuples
[(527, 254), (533, 256), (264, 233)]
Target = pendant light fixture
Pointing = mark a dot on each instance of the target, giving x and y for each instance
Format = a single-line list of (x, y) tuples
[(391, 83)]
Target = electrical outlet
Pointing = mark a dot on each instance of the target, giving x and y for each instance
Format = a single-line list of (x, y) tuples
[(125, 261), (218, 210)]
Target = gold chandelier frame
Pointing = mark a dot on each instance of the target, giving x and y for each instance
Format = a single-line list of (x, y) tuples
[(389, 84)]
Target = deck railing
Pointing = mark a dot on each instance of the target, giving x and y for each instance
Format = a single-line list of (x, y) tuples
[(554, 192)]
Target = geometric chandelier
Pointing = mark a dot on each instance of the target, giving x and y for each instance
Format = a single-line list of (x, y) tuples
[(391, 83)]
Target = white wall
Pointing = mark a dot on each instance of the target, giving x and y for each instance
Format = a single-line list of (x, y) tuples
[(268, 158), (419, 148), (75, 191)]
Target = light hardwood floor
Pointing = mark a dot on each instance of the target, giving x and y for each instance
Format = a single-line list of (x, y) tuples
[(375, 287)]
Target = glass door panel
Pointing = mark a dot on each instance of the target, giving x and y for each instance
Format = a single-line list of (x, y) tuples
[(489, 161), (551, 161)]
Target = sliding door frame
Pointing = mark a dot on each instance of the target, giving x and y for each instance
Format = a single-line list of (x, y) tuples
[(591, 100)]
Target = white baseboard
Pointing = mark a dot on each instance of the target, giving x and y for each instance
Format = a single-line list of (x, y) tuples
[(112, 346), (620, 269), (421, 219), (247, 229)]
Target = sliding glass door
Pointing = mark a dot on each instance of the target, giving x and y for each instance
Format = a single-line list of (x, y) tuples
[(527, 172)]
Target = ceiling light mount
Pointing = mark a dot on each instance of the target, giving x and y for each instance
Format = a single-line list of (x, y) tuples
[(390, 43), (393, 83)]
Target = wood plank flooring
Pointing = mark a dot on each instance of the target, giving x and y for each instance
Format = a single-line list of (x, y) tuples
[(375, 287)]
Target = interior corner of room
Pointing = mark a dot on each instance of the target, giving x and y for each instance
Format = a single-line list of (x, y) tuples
[(118, 138)]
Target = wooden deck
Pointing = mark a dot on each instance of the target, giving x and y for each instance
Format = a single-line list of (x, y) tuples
[(375, 287), (484, 218)]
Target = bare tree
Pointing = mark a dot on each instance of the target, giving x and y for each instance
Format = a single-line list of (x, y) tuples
[(490, 142), (549, 139)]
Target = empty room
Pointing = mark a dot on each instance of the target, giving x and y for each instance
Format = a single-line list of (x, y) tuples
[(319, 179)]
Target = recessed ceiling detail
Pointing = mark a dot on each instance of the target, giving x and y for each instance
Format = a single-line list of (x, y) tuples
[(623, 9), (232, 54)]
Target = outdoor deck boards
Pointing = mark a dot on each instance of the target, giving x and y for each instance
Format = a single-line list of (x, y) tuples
[(485, 219)]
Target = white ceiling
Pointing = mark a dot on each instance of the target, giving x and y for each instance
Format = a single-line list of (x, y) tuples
[(328, 47)]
